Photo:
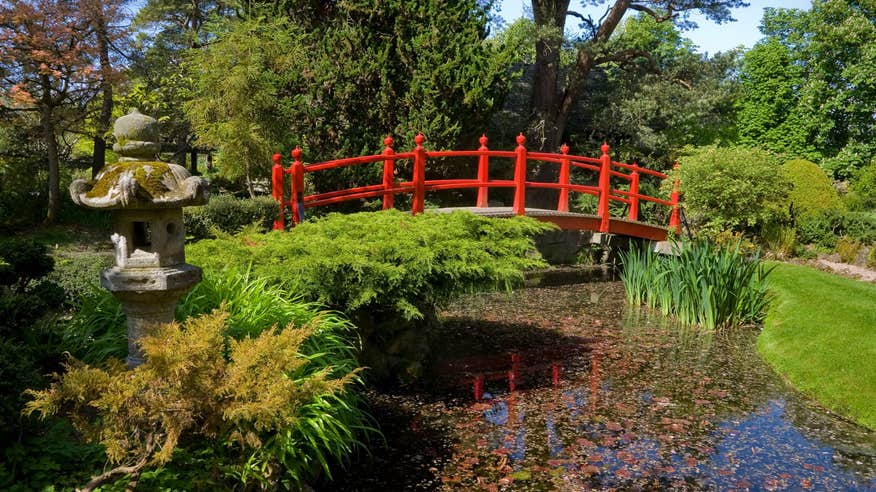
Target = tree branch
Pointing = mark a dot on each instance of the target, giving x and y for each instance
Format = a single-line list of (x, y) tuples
[(625, 56), (653, 13), (103, 478)]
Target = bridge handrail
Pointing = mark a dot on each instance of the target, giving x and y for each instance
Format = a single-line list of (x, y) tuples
[(418, 185)]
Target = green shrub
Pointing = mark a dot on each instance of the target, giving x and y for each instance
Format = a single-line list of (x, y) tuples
[(383, 261), (825, 228), (863, 186), (703, 284), (732, 189), (811, 189), (871, 257), (848, 248), (25, 260), (78, 272), (230, 215)]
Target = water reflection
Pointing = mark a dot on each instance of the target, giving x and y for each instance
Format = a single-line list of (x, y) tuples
[(605, 397), (655, 405)]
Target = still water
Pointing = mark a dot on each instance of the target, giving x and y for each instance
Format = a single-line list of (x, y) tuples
[(604, 396)]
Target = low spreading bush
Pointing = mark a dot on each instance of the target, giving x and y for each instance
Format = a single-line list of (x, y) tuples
[(733, 189), (228, 214), (812, 191), (825, 228), (701, 284), (384, 261)]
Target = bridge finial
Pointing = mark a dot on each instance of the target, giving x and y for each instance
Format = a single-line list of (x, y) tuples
[(277, 159), (564, 149), (521, 139), (419, 139), (483, 140), (296, 154), (388, 141), (605, 148)]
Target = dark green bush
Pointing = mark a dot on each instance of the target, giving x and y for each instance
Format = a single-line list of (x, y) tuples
[(825, 228), (812, 192), (230, 215), (25, 260), (78, 272)]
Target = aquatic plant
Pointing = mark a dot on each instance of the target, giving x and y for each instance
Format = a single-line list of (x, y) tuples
[(701, 283)]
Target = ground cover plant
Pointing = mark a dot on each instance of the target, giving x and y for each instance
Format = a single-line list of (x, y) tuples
[(700, 284), (389, 271), (819, 334)]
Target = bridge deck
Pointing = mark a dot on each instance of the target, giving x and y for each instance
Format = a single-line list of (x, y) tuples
[(571, 220)]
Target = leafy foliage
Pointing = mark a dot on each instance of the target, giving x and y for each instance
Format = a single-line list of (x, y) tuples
[(260, 400), (733, 189), (229, 215), (809, 81), (863, 186), (383, 261), (336, 83), (711, 286), (812, 191)]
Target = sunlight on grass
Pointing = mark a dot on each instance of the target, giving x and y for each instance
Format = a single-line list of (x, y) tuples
[(821, 336)]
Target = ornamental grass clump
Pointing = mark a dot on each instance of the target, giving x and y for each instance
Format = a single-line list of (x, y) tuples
[(701, 284)]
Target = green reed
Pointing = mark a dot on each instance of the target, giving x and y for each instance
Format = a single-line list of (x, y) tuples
[(699, 284)]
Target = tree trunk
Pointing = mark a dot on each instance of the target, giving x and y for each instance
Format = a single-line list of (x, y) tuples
[(106, 108), (48, 126), (194, 161), (550, 16), (550, 110)]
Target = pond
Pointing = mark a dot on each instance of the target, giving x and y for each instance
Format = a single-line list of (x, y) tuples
[(605, 396)]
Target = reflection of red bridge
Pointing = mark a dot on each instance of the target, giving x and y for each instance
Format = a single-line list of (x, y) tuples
[(606, 170)]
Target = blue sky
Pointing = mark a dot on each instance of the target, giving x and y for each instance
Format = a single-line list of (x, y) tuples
[(710, 37)]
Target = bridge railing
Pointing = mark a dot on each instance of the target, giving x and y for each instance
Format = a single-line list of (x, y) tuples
[(604, 167)]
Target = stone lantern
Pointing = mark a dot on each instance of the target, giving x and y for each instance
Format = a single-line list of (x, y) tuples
[(146, 196)]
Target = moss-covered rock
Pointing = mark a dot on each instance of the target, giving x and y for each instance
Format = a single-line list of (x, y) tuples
[(812, 192)]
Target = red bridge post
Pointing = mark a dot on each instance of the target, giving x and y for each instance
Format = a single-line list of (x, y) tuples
[(296, 185), (483, 174), (277, 191), (604, 188), (634, 193), (520, 176), (388, 174), (419, 177), (674, 222), (563, 203)]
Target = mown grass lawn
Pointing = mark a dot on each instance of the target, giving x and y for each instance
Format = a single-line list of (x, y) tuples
[(820, 334)]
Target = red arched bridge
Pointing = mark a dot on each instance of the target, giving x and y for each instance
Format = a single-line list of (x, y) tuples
[(608, 172)]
